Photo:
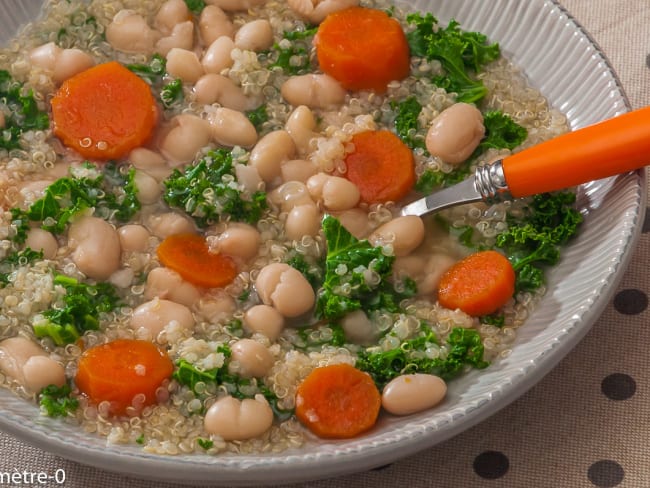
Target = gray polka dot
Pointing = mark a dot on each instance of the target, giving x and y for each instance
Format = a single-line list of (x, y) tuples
[(605, 474), (618, 386), (491, 465), (630, 301)]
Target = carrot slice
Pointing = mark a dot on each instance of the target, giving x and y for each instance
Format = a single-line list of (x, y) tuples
[(362, 48), (381, 166), (119, 370), (190, 256), (478, 285), (337, 401), (104, 112)]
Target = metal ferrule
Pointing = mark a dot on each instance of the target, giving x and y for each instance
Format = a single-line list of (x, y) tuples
[(490, 182)]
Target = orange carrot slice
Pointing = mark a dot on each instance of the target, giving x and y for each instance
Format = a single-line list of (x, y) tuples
[(362, 48), (190, 256), (104, 112), (338, 401), (119, 370), (478, 285), (381, 166)]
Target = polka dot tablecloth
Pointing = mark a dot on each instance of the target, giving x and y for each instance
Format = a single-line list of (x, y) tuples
[(586, 424)]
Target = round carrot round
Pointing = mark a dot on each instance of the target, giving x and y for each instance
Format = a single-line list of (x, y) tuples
[(190, 256), (337, 401), (478, 285), (104, 112), (381, 166), (362, 48), (119, 370)]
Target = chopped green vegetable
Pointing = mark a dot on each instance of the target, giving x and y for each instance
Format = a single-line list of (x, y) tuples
[(172, 94), (205, 443), (501, 132), (57, 402), (258, 116), (83, 305), (464, 346), (457, 50), (356, 275), (140, 439), (208, 191), (406, 122), (291, 54), (313, 272), (314, 338), (532, 241), (17, 258), (68, 196), (195, 6), (21, 112), (152, 72)]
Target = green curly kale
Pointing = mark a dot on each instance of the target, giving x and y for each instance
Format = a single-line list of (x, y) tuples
[(57, 402), (356, 276), (533, 241), (459, 52), (208, 191), (170, 93), (22, 112), (83, 305), (195, 6), (17, 258), (464, 346), (112, 195), (292, 53), (406, 122)]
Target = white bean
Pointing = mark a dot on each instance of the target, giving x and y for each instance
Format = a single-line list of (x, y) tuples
[(412, 393), (122, 278), (171, 13), (217, 56), (355, 221), (18, 361), (41, 240), (214, 88), (315, 11), (270, 152), (232, 128), (236, 420), (45, 56), (455, 133), (240, 240), (250, 359), (302, 220), (133, 238), (290, 194), (301, 125), (265, 320), (186, 135), (214, 23), (285, 288), (337, 193), (169, 223), (235, 5), (96, 247), (256, 35), (184, 64), (149, 189), (130, 33), (358, 328), (156, 314), (71, 62), (150, 162), (167, 284), (313, 90), (298, 169), (403, 233), (425, 270), (181, 37), (216, 306)]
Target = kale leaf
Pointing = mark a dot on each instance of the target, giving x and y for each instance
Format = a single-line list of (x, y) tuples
[(406, 121), (208, 191), (172, 94), (23, 112), (291, 54), (17, 258), (501, 132), (195, 6), (457, 50), (153, 71), (83, 305), (465, 347), (533, 240), (111, 194), (356, 275), (56, 401), (258, 116)]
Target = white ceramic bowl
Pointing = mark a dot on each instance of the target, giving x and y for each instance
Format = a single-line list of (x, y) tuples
[(561, 60)]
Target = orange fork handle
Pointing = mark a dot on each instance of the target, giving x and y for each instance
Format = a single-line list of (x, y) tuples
[(608, 148)]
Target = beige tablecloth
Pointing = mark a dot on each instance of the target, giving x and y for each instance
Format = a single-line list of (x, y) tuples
[(586, 424)]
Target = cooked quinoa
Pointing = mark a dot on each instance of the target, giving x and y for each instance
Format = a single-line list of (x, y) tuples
[(174, 424)]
